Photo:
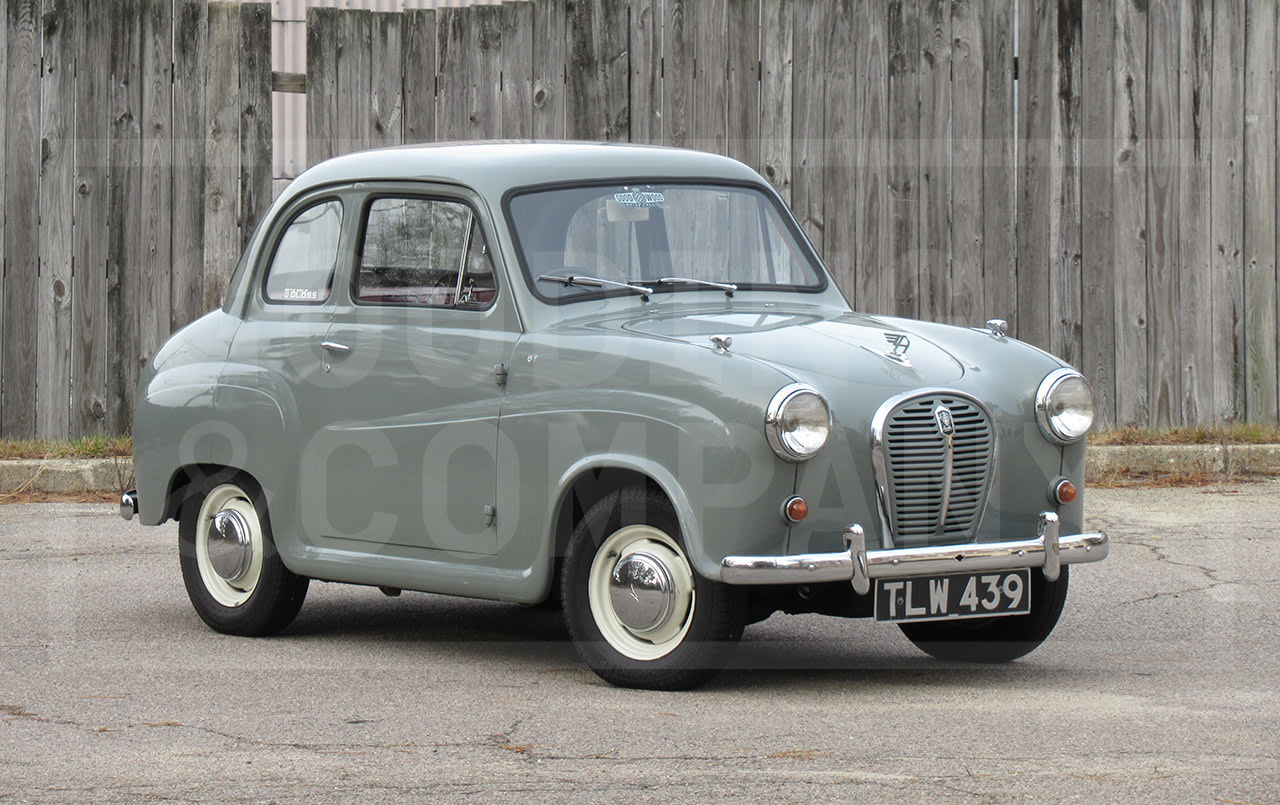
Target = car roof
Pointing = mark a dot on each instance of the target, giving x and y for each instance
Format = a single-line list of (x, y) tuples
[(495, 167)]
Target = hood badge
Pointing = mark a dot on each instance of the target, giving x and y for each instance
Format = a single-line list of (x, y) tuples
[(899, 343), (946, 423)]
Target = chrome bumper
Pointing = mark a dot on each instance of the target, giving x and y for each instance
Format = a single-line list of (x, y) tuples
[(129, 505), (858, 565)]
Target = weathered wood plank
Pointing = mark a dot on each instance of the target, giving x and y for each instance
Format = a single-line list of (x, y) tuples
[(124, 224), (485, 54), (596, 95), (517, 70), (1195, 289), (840, 152), (904, 155), (57, 133), (1226, 210), (999, 168), (1164, 380), (419, 80), (91, 210), (549, 42), (158, 211), (967, 110), (255, 117), (776, 34), (808, 135), (1036, 110), (873, 289), (324, 34), (1098, 280), (710, 59), (1064, 229), (386, 70), (190, 54), (222, 152), (646, 71), (453, 83), (1259, 210), (355, 107), (743, 38), (935, 160), (678, 42), (4, 125), (1129, 196), (21, 245)]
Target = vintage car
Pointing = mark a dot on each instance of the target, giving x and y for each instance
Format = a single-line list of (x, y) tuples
[(615, 378)]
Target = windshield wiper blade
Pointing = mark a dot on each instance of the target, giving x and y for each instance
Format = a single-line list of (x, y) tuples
[(596, 282), (727, 287)]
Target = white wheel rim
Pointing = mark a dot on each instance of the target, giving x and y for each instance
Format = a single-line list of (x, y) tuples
[(232, 499), (654, 544)]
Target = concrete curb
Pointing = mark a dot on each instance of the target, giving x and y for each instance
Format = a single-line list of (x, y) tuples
[(66, 475), (104, 475)]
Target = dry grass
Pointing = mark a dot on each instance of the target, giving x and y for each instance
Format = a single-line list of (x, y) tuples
[(83, 447), (1239, 433)]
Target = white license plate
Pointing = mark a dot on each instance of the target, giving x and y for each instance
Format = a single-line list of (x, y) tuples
[(964, 595)]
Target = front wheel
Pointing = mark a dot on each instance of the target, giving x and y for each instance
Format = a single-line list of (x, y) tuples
[(234, 577), (992, 640), (638, 613)]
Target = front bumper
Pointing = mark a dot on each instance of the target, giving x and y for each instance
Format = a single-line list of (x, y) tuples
[(859, 566)]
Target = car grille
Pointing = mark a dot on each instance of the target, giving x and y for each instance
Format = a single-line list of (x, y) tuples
[(922, 508)]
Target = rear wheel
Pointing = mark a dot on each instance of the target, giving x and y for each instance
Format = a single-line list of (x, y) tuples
[(995, 639), (234, 577), (639, 614)]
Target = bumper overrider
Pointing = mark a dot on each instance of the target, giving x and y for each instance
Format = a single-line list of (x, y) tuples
[(1048, 551)]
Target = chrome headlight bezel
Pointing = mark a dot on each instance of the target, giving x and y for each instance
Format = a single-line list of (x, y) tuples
[(1049, 421), (780, 440)]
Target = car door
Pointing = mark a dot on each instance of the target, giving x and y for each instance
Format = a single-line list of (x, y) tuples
[(407, 448)]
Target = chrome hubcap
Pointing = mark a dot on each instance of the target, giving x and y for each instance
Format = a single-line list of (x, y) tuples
[(641, 591), (230, 549)]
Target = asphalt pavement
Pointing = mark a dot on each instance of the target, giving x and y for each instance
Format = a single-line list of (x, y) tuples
[(1160, 684)]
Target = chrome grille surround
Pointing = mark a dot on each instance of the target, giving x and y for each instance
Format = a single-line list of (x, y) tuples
[(929, 494)]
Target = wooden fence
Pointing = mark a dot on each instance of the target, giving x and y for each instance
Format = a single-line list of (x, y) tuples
[(1116, 203), (1106, 180), (137, 156)]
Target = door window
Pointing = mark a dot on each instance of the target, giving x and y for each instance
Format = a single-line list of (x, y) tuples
[(302, 268), (424, 252)]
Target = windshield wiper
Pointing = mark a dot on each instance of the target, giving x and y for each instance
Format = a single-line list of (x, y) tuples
[(597, 282), (727, 287)]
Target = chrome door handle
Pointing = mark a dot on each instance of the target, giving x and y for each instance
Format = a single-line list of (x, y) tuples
[(334, 346)]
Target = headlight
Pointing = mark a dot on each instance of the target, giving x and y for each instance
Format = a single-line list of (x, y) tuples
[(1064, 406), (797, 422)]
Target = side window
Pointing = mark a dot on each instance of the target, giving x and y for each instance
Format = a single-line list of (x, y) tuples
[(302, 268), (424, 253)]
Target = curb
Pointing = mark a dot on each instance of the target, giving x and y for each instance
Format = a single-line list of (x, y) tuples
[(102, 475), (66, 475)]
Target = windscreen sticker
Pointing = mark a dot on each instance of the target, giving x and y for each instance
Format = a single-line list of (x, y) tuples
[(635, 198)]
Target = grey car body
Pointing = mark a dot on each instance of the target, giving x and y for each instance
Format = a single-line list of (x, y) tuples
[(453, 450)]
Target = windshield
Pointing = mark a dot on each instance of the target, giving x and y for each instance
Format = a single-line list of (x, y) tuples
[(651, 234)]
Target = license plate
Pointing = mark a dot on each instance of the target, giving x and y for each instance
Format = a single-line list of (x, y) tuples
[(965, 595)]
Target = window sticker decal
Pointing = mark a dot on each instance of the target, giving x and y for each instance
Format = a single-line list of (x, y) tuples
[(637, 198)]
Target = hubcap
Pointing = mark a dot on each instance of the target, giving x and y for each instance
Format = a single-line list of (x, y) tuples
[(229, 545), (641, 592)]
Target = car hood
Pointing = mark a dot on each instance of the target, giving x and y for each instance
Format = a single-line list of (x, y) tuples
[(852, 347)]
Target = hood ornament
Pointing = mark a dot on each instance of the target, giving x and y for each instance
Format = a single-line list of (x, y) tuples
[(899, 343), (722, 343)]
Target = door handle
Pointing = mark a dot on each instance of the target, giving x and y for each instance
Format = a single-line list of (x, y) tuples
[(334, 346)]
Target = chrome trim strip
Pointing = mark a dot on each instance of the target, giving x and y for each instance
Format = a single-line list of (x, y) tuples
[(859, 566), (878, 422)]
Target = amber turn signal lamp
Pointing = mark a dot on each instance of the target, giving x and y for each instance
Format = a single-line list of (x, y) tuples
[(1064, 491), (795, 509)]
